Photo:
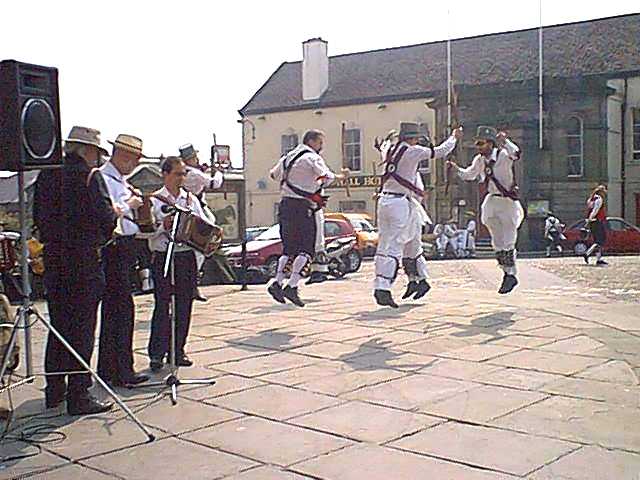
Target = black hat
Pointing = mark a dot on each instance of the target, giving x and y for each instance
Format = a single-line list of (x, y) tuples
[(486, 133), (187, 151)]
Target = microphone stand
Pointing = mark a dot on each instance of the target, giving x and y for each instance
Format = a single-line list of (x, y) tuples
[(172, 381)]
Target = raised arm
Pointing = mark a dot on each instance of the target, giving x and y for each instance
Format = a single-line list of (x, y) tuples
[(472, 172), (277, 171)]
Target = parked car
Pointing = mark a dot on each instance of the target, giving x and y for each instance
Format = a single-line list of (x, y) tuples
[(266, 248), (366, 233), (622, 237), (252, 232)]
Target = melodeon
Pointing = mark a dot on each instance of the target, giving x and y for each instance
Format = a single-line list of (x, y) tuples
[(8, 257), (198, 233), (144, 218)]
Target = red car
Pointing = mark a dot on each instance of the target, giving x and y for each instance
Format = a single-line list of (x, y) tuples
[(622, 237), (266, 248)]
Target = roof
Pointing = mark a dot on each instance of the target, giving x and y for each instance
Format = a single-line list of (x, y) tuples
[(9, 185), (608, 46)]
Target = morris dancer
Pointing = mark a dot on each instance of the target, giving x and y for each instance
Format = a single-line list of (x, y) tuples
[(302, 174), (400, 214), (502, 212)]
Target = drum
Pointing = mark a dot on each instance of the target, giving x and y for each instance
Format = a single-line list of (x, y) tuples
[(144, 218), (8, 257), (198, 233)]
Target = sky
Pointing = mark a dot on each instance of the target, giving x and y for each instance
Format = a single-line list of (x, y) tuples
[(176, 72)]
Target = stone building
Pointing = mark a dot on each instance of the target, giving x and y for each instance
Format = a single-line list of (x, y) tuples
[(590, 116)]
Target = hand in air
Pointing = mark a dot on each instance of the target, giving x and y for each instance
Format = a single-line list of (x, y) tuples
[(458, 133), (346, 172), (451, 164), (501, 137)]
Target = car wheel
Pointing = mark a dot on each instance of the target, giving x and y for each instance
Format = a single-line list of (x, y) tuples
[(353, 261), (580, 248), (271, 266)]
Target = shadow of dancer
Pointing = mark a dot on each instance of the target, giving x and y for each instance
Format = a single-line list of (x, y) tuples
[(367, 361)]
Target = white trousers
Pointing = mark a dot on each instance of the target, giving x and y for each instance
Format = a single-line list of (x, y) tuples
[(502, 216), (400, 224)]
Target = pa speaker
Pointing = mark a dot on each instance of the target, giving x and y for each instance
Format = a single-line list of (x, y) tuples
[(29, 117)]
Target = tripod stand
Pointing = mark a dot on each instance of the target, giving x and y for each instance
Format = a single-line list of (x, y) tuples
[(172, 381), (27, 310)]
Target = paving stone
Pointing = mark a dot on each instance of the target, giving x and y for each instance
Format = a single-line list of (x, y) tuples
[(579, 420), (16, 468), (347, 382), (614, 371), (390, 359), (519, 340), (550, 362), (592, 463), (435, 345), (625, 395), (396, 338), (225, 383), (575, 345), (71, 471), (411, 392), (317, 371), (268, 441), (518, 378), (501, 450), (267, 473), (169, 459), (228, 354), (479, 353), (265, 364), (461, 369), (275, 401), (334, 350), (373, 462), (272, 339), (553, 331), (349, 333), (482, 404), (366, 422)]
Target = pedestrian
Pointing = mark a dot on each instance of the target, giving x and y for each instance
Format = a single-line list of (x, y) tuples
[(596, 223)]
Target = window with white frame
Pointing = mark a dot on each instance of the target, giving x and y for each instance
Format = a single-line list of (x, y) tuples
[(352, 149), (636, 133), (575, 147), (288, 142)]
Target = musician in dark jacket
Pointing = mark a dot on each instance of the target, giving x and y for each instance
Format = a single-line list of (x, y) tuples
[(75, 216)]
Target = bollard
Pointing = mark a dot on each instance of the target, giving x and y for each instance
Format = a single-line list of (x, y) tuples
[(244, 263)]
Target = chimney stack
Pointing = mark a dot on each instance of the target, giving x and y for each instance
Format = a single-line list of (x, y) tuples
[(315, 69)]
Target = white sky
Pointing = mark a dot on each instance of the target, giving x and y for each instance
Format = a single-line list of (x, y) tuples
[(174, 72)]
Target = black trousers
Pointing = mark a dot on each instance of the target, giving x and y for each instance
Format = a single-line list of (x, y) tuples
[(297, 227), (115, 359), (74, 283), (185, 281), (599, 232)]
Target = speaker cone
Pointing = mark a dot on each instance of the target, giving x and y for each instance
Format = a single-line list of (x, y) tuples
[(38, 128)]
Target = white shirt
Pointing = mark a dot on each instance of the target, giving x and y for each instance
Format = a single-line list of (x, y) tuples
[(502, 169), (410, 161), (309, 173), (159, 241), (120, 191), (471, 226), (197, 180)]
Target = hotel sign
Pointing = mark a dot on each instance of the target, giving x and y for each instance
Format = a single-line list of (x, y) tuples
[(360, 181)]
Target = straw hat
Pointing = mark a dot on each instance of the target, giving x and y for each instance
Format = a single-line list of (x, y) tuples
[(86, 136), (128, 143)]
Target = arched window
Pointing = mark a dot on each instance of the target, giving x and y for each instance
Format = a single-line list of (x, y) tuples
[(575, 147)]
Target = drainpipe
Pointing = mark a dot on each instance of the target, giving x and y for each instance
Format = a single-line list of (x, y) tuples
[(623, 149)]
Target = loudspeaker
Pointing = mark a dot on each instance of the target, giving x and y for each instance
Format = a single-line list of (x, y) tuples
[(29, 117)]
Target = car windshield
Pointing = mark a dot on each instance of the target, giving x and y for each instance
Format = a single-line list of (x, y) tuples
[(362, 225), (271, 233)]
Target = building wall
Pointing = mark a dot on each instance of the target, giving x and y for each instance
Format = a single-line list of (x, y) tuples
[(632, 167), (261, 153)]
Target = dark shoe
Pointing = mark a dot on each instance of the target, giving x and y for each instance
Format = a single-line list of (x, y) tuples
[(602, 263), (87, 406), (155, 364), (53, 399), (316, 277), (508, 283), (384, 298), (291, 294), (421, 290), (275, 289), (198, 296), (134, 379), (184, 361), (586, 258), (412, 288)]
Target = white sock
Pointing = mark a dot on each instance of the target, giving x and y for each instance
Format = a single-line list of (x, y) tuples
[(298, 264), (282, 262), (591, 249), (599, 255)]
